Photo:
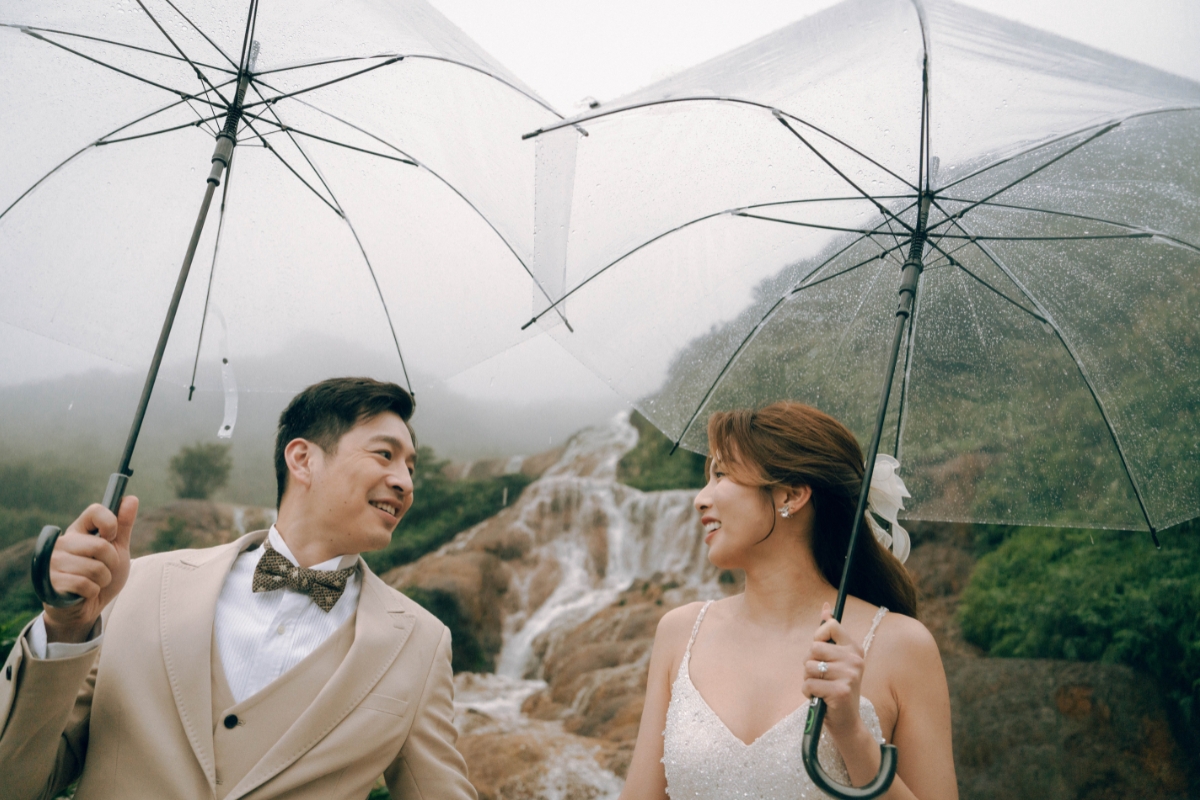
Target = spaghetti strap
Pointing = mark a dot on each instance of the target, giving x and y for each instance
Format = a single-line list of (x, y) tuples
[(870, 634), (687, 654)]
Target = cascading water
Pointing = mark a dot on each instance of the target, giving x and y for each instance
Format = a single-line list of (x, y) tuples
[(610, 536), (600, 536)]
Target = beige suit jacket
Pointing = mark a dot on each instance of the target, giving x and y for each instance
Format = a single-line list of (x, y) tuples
[(134, 719)]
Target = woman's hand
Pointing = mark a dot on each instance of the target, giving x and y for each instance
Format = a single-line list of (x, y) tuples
[(838, 685)]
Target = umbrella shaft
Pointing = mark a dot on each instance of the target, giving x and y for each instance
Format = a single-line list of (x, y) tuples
[(226, 140), (910, 276)]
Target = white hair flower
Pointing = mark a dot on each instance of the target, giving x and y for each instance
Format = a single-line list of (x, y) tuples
[(886, 499)]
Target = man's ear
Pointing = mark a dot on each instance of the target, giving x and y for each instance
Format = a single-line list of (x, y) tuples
[(301, 456)]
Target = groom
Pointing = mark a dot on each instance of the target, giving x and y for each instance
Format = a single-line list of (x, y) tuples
[(275, 666)]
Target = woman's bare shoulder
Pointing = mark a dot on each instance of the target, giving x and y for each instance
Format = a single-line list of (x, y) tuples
[(675, 627), (903, 641)]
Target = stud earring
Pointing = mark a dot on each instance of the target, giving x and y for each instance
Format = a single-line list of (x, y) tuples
[(785, 512)]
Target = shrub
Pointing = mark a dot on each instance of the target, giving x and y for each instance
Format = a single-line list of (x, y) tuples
[(468, 654), (1094, 596), (651, 467), (174, 536), (200, 470)]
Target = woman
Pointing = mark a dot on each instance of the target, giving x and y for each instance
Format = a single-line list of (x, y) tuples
[(730, 681)]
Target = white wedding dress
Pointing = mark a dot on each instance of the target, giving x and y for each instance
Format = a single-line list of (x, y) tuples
[(705, 761)]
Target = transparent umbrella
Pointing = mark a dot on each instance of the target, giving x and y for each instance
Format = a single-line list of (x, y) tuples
[(369, 181), (738, 234)]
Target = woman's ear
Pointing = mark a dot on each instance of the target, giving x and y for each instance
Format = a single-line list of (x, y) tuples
[(798, 497)]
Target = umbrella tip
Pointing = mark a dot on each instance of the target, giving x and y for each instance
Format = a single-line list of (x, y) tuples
[(1154, 536), (191, 389)]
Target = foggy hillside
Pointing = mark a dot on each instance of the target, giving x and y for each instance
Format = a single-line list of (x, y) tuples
[(82, 420)]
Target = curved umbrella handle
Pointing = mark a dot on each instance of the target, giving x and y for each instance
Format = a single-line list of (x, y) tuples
[(44, 548), (812, 740)]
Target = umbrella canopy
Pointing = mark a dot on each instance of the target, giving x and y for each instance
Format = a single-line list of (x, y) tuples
[(379, 192), (737, 232)]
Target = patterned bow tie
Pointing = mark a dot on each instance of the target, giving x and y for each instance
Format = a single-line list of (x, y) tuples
[(274, 571)]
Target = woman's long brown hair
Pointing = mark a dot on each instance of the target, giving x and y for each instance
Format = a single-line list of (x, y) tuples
[(786, 445)]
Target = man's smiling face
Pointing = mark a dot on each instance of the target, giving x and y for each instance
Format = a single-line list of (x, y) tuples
[(362, 489)]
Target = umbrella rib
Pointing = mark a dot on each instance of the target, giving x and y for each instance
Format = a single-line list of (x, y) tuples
[(196, 28), (194, 124), (417, 56), (102, 40), (1153, 233), (1081, 237), (587, 117), (353, 232), (272, 100), (38, 36), (803, 224), (1087, 379), (653, 239), (956, 263), (449, 186), (332, 206), (1056, 139), (86, 147), (204, 81), (959, 214), (882, 209), (292, 129), (212, 271), (763, 320)]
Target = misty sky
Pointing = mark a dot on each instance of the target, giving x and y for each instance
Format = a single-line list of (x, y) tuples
[(568, 50)]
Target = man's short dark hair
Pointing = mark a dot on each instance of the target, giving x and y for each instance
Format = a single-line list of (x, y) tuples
[(324, 412)]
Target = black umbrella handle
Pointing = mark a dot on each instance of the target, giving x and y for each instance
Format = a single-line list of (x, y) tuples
[(812, 742), (44, 548)]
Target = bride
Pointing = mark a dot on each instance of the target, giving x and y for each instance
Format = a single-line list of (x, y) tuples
[(730, 681)]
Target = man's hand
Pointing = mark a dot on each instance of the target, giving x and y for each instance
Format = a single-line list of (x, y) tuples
[(91, 565)]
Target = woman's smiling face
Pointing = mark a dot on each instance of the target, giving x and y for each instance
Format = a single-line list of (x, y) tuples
[(735, 516)]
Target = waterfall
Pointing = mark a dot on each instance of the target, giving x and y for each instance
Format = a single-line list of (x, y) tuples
[(611, 535), (591, 538)]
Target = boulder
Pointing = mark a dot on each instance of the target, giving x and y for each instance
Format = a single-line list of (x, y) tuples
[(1061, 729)]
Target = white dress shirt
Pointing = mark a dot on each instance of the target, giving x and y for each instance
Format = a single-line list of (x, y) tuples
[(260, 635)]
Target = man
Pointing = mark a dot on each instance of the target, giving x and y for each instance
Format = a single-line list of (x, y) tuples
[(275, 666)]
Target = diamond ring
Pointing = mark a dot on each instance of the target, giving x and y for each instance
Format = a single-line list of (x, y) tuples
[(822, 668)]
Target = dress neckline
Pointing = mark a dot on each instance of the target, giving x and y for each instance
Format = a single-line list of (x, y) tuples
[(686, 673)]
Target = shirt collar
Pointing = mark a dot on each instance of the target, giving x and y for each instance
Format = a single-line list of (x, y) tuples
[(337, 562)]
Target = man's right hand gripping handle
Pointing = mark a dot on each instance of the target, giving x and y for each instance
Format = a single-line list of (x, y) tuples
[(91, 560)]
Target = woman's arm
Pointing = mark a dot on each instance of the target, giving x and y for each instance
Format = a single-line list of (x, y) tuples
[(917, 682), (923, 729), (646, 779)]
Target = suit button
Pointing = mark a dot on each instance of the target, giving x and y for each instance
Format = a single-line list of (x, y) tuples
[(231, 721)]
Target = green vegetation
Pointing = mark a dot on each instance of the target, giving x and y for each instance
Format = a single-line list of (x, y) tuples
[(443, 508), (30, 496), (468, 651), (173, 536), (199, 470), (651, 467), (1094, 596)]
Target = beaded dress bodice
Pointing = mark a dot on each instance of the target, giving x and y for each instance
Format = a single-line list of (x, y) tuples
[(705, 761)]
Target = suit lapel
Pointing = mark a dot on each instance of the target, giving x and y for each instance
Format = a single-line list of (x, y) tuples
[(190, 588), (381, 628)]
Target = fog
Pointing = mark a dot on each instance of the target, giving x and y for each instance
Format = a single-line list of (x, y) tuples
[(517, 403)]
